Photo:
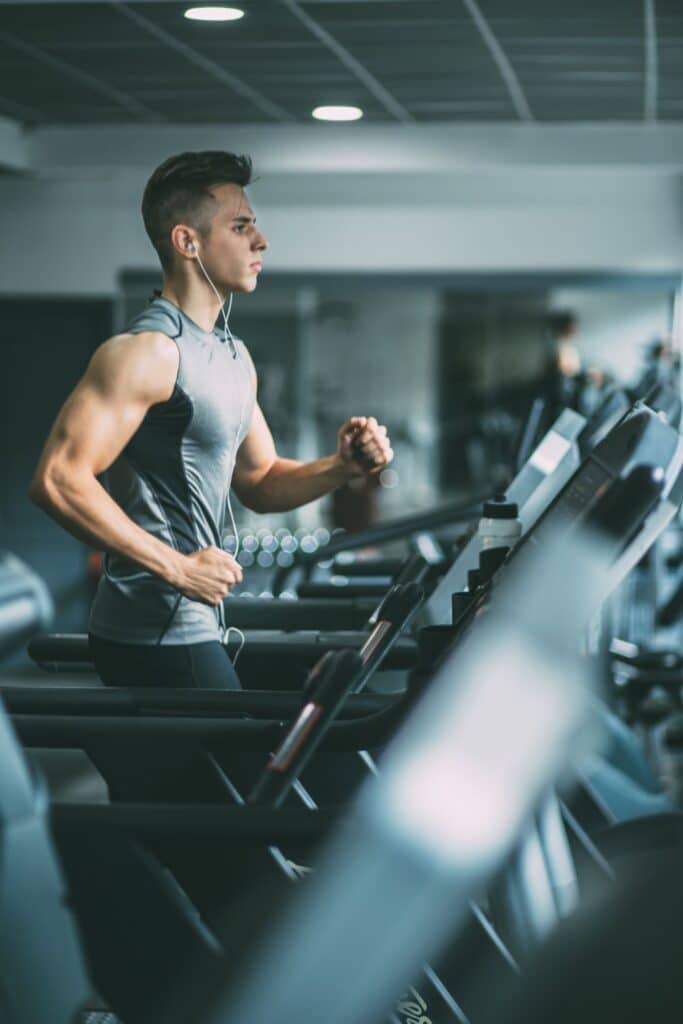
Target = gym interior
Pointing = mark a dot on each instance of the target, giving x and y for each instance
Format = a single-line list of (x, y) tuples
[(449, 787)]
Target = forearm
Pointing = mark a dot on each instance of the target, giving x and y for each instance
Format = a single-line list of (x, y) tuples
[(289, 484), (79, 503)]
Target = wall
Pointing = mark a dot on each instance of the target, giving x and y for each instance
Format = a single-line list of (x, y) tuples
[(409, 198), (45, 349), (375, 353), (72, 238)]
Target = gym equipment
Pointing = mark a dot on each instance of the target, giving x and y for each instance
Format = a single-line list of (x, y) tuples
[(551, 456), (294, 653), (555, 457), (425, 847), (30, 987), (25, 604)]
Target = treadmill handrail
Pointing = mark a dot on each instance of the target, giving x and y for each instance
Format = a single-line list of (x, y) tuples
[(157, 821), (60, 732), (383, 533), (326, 693), (159, 701)]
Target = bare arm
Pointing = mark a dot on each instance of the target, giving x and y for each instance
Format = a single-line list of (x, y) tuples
[(264, 482), (126, 376)]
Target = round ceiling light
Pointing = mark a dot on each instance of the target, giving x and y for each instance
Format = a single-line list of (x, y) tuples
[(337, 113), (214, 13)]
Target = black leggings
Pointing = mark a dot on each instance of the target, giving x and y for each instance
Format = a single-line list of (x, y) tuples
[(194, 666), (144, 770)]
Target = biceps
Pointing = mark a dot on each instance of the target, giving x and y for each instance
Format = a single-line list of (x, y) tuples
[(257, 452), (91, 430)]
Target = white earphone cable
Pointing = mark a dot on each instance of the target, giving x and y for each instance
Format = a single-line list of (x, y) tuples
[(227, 334)]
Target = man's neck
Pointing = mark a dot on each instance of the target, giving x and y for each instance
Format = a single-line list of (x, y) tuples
[(196, 300)]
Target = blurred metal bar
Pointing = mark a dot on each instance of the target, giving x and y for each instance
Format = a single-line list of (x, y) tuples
[(507, 72), (191, 821)]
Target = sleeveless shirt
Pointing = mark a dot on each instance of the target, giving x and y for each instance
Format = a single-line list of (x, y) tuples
[(172, 479)]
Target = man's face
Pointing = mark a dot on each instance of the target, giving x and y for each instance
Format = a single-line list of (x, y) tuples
[(234, 246)]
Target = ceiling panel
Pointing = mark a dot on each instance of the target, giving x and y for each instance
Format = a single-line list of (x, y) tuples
[(74, 63)]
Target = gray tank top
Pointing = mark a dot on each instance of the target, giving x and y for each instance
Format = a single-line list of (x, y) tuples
[(172, 479)]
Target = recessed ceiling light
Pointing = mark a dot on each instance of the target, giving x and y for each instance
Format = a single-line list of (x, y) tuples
[(337, 113), (214, 13)]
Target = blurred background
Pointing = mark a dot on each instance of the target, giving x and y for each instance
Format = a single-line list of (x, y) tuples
[(503, 224)]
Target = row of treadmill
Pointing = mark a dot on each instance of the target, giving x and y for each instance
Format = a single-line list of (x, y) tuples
[(447, 792)]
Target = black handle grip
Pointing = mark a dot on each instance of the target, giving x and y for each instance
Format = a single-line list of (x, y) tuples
[(333, 670), (326, 688)]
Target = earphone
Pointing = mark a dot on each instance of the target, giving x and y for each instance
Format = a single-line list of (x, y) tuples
[(227, 334)]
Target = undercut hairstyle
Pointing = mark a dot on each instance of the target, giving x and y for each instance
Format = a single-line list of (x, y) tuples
[(179, 192)]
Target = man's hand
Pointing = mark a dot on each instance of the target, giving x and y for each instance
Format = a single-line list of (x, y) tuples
[(363, 446), (208, 575)]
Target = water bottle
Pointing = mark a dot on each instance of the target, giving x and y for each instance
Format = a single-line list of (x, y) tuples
[(499, 530), (500, 525)]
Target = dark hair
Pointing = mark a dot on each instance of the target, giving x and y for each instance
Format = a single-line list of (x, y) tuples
[(561, 322), (179, 191)]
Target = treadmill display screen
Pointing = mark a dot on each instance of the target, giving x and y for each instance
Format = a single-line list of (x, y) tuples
[(576, 500), (550, 453)]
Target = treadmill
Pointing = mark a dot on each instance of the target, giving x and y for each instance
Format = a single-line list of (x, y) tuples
[(613, 406)]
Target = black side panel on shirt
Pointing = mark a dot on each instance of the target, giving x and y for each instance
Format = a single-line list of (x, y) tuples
[(155, 452)]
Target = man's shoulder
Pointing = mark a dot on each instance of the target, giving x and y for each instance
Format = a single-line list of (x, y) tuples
[(138, 346), (146, 361)]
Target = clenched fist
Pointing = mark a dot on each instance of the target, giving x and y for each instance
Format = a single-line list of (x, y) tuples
[(208, 575), (364, 446)]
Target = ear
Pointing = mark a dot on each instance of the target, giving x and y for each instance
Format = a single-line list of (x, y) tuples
[(183, 242)]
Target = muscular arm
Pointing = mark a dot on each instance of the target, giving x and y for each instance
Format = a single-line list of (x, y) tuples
[(264, 482), (127, 375)]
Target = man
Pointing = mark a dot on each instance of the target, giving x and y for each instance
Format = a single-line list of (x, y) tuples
[(168, 409)]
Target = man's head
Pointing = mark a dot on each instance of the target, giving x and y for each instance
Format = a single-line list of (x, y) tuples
[(194, 206), (564, 324)]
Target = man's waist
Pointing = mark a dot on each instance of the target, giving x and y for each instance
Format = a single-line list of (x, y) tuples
[(148, 610)]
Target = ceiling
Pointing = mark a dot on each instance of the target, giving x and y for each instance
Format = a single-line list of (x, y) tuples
[(416, 61)]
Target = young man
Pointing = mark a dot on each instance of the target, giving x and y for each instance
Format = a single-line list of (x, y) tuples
[(168, 409)]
